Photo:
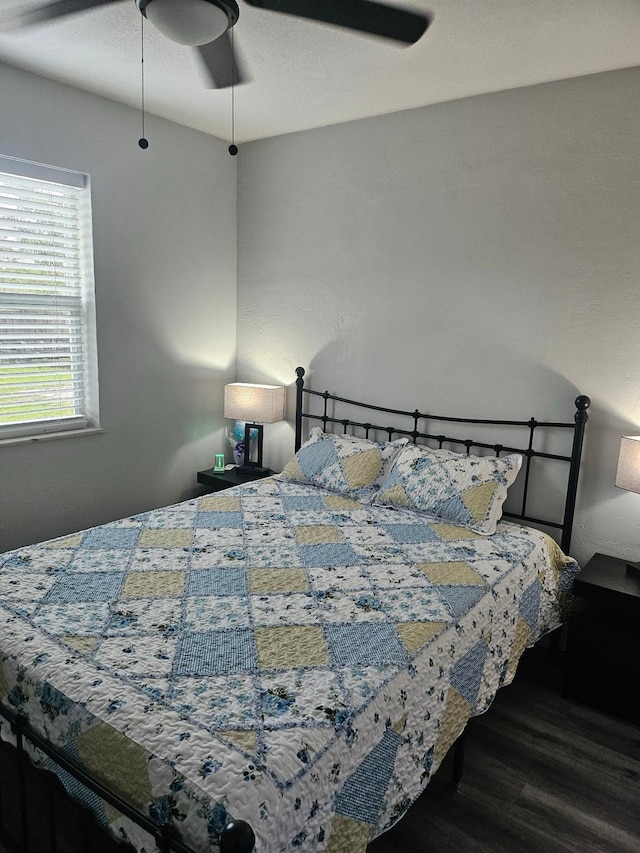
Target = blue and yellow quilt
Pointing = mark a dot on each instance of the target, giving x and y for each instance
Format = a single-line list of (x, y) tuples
[(275, 652)]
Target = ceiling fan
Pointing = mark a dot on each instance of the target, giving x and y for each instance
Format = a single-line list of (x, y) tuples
[(206, 24)]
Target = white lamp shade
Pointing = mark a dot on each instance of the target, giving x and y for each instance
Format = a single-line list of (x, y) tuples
[(628, 473), (192, 22), (260, 404)]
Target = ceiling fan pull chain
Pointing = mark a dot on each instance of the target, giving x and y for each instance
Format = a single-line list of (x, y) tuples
[(233, 148), (142, 142)]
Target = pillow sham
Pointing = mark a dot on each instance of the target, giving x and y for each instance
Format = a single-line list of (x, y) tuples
[(343, 463), (465, 490)]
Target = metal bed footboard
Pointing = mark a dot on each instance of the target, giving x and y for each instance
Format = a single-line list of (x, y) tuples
[(236, 837)]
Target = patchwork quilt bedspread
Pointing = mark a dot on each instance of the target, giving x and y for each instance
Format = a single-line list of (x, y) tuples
[(274, 652)]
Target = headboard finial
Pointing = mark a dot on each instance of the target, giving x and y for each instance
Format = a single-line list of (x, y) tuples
[(582, 403)]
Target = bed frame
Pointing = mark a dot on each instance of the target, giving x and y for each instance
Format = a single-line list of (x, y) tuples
[(331, 411)]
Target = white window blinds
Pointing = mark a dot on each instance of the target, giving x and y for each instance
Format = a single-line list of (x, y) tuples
[(48, 378)]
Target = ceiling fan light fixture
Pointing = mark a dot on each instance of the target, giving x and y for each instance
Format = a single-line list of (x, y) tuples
[(192, 22)]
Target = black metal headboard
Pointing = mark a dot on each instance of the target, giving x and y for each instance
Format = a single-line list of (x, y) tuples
[(528, 433)]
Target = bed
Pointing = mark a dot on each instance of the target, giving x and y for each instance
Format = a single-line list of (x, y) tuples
[(289, 661)]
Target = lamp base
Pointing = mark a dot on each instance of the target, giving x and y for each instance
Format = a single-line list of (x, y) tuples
[(249, 466), (633, 569)]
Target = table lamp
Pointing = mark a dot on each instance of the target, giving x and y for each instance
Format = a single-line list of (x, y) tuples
[(255, 405), (628, 474)]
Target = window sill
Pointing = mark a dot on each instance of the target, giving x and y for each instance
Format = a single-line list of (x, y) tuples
[(50, 436)]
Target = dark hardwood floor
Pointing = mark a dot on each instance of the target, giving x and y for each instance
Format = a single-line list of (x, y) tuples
[(542, 774)]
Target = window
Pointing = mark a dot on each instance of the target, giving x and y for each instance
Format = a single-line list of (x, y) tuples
[(48, 363)]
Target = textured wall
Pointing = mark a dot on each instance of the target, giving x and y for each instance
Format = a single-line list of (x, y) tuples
[(165, 263), (478, 257)]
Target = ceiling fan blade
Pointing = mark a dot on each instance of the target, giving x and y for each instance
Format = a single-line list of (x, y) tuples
[(222, 63), (57, 9), (366, 16)]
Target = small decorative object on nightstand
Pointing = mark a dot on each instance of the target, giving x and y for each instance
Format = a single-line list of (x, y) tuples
[(216, 481), (602, 664), (628, 474)]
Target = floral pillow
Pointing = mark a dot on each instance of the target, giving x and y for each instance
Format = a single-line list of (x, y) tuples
[(343, 463), (465, 490)]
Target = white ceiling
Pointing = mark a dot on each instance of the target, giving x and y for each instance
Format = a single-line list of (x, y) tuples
[(306, 75)]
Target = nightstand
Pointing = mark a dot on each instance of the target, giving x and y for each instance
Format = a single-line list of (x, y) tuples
[(602, 662), (215, 482)]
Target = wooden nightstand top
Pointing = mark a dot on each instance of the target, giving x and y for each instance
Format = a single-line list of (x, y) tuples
[(607, 578), (226, 479)]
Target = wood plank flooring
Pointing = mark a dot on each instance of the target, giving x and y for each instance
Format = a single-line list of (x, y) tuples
[(542, 774)]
